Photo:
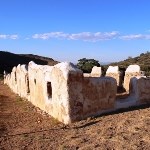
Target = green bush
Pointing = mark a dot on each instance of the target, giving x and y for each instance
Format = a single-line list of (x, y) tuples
[(86, 65)]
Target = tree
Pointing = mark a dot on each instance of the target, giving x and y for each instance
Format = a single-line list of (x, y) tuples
[(86, 65)]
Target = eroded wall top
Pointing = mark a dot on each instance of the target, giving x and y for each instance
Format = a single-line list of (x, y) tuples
[(133, 68), (112, 69)]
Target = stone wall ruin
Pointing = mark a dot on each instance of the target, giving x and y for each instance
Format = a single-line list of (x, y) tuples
[(113, 71), (131, 71), (96, 72), (65, 93)]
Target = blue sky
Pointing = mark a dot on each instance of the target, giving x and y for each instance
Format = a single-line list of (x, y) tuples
[(67, 30)]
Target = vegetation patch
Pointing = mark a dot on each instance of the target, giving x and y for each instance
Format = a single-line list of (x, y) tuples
[(86, 65)]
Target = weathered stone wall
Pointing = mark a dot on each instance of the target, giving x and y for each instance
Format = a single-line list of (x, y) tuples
[(99, 94), (113, 71), (131, 71), (66, 81), (13, 80), (61, 90), (87, 74), (140, 86), (67, 95), (22, 81), (37, 84), (18, 80), (96, 72)]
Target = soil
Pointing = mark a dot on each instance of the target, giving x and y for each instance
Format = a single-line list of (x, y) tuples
[(25, 127)]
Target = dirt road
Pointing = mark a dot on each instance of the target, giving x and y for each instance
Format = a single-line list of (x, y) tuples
[(24, 127)]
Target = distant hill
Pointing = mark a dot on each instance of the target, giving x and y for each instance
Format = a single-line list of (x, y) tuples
[(143, 61), (105, 63), (9, 60)]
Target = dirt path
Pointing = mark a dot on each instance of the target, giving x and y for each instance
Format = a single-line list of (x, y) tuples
[(24, 127)]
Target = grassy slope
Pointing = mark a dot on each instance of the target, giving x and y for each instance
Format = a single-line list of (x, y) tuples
[(143, 60)]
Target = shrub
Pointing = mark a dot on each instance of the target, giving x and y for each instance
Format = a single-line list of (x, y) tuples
[(86, 65)]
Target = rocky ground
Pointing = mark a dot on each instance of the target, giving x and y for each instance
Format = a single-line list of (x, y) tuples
[(24, 127)]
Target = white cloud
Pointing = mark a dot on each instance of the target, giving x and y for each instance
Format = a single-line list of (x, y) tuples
[(136, 37), (6, 36), (84, 36), (13, 37), (3, 36), (94, 37), (50, 35)]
